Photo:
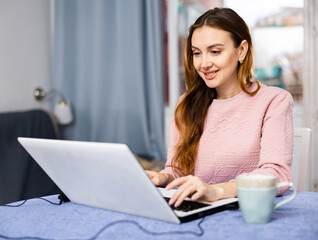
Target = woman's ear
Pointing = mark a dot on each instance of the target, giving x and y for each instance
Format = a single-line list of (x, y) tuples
[(243, 48)]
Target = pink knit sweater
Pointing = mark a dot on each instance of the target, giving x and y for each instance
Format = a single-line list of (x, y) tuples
[(244, 134)]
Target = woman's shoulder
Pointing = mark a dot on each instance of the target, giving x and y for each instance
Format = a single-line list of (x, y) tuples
[(272, 92)]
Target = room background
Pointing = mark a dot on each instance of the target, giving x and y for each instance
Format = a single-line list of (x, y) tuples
[(27, 60)]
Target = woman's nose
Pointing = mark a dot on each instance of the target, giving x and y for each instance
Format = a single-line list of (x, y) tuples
[(206, 62)]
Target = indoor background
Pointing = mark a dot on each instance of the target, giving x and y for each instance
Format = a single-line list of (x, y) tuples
[(119, 63)]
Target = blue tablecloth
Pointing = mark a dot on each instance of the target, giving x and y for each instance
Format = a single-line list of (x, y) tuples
[(38, 219)]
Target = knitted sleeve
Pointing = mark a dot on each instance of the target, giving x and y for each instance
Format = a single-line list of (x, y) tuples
[(277, 140)]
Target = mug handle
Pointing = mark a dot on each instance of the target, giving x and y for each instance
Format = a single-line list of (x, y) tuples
[(291, 197)]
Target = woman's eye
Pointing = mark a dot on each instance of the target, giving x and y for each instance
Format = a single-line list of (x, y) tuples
[(214, 52), (196, 53)]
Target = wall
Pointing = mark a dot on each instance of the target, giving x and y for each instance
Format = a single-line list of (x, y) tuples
[(25, 52)]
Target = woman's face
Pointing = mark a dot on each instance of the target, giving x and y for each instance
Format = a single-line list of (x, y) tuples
[(216, 59)]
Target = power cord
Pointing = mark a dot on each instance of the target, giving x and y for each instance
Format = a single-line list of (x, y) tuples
[(24, 201), (63, 199)]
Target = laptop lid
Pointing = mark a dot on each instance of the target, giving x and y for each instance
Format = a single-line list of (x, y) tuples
[(106, 175)]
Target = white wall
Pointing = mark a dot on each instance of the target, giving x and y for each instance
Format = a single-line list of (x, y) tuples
[(25, 52)]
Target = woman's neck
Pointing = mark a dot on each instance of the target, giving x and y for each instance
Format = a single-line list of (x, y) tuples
[(228, 92)]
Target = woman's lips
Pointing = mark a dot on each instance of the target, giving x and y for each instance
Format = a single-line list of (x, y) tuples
[(210, 75)]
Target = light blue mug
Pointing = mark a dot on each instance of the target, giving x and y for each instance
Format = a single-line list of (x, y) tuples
[(256, 194)]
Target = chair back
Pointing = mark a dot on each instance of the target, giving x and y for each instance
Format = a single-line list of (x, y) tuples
[(20, 176), (300, 157)]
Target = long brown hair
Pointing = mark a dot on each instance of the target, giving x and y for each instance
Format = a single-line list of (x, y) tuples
[(191, 112)]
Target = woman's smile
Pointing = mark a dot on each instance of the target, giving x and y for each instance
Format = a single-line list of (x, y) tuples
[(210, 74)]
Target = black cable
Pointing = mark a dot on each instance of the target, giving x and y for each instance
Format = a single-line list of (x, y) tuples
[(50, 201), (149, 232), (24, 201), (63, 199), (197, 234)]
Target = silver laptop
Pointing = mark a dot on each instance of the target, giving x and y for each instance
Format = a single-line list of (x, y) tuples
[(108, 175)]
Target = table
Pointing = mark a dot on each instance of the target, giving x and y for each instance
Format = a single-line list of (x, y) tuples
[(38, 219)]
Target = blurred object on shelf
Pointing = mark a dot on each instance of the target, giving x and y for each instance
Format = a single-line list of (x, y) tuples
[(270, 76), (288, 16), (292, 66)]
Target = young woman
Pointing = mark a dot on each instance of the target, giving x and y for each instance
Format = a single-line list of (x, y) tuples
[(225, 124)]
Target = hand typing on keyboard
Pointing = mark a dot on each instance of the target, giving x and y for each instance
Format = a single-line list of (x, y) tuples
[(159, 179), (194, 187)]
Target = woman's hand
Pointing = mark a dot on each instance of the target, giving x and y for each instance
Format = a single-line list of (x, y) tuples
[(159, 179), (193, 187)]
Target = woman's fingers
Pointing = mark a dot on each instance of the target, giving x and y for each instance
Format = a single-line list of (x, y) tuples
[(188, 186), (159, 179), (201, 191), (149, 173), (154, 176), (182, 193), (197, 195), (177, 182)]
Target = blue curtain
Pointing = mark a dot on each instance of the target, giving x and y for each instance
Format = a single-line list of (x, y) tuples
[(108, 61)]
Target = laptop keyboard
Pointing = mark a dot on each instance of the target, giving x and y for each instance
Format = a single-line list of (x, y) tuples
[(187, 206)]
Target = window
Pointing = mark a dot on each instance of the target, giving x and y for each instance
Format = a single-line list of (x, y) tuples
[(278, 37)]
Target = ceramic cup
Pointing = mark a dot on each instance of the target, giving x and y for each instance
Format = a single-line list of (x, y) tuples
[(256, 194)]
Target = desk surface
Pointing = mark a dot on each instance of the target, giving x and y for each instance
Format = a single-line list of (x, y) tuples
[(37, 218)]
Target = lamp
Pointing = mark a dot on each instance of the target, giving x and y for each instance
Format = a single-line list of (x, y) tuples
[(62, 109)]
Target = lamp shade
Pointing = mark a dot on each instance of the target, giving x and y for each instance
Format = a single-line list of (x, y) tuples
[(63, 112)]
